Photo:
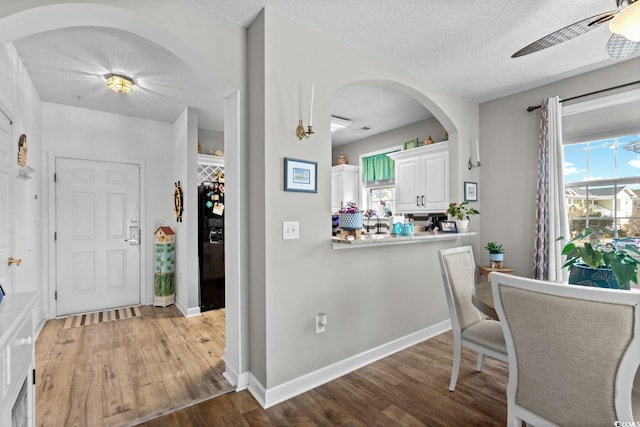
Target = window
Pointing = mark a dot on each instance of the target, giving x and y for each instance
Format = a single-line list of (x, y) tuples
[(382, 200), (602, 187)]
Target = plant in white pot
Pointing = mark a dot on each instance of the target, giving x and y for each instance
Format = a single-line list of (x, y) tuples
[(496, 252), (462, 213)]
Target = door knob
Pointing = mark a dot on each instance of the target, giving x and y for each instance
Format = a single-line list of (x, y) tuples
[(15, 261)]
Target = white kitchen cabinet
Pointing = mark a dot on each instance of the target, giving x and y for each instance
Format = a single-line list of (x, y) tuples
[(344, 185), (422, 179), (17, 360)]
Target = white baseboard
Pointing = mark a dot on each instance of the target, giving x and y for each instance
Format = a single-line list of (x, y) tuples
[(240, 381), (296, 386), (187, 312)]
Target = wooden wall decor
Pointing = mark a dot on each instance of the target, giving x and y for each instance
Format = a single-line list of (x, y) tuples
[(22, 151), (178, 208)]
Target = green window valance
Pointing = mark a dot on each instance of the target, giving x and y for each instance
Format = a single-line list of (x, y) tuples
[(379, 167)]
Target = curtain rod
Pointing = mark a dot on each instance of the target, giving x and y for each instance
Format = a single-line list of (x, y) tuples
[(530, 109)]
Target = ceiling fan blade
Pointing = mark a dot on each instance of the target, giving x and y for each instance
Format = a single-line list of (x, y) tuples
[(566, 33), (620, 47)]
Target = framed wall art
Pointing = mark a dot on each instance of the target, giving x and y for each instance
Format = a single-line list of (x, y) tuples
[(300, 175), (448, 227), (471, 191)]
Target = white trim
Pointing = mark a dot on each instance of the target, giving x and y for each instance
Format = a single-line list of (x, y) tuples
[(240, 381), (602, 102), (296, 386)]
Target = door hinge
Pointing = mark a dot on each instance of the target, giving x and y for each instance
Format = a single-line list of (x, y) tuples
[(55, 177), (34, 376), (55, 295), (55, 236)]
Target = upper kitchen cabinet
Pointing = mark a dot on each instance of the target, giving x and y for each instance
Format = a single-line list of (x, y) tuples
[(344, 186), (422, 179)]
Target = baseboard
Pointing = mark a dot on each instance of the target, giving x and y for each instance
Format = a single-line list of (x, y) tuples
[(240, 381), (296, 386), (187, 312)]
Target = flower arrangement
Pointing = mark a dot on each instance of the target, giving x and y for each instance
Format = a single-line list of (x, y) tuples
[(461, 211), (350, 217), (349, 208)]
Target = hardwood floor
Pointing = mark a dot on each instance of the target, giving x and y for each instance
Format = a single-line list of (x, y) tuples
[(409, 388), (118, 373)]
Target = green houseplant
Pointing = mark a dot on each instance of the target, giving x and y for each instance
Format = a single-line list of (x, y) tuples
[(496, 252), (462, 213), (591, 263)]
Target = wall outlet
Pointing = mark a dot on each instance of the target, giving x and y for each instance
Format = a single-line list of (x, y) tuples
[(290, 230), (321, 323)]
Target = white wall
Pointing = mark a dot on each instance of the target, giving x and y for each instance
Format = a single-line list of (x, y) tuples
[(19, 100), (509, 138), (368, 304), (102, 136), (210, 141)]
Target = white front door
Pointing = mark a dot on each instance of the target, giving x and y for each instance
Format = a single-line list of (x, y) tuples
[(5, 202), (97, 235)]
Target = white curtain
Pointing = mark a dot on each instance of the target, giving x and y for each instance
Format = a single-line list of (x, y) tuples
[(551, 212)]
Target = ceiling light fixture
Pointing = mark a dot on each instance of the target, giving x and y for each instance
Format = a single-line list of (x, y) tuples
[(119, 83), (338, 123), (627, 22)]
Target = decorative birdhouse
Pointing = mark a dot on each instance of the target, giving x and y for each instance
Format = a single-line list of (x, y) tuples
[(165, 292), (164, 235)]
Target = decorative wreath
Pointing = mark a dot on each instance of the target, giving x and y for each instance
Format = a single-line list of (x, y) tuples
[(177, 201)]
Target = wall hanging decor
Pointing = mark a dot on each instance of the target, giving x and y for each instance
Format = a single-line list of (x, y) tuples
[(177, 201), (300, 175), (22, 151)]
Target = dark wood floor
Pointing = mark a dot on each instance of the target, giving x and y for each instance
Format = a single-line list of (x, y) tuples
[(409, 388), (117, 373)]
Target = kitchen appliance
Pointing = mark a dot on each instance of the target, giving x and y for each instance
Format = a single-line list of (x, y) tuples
[(211, 244)]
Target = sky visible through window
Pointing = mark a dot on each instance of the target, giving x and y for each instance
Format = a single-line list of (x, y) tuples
[(605, 159)]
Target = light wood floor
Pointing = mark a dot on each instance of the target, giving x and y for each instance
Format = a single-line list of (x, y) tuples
[(118, 373), (409, 388)]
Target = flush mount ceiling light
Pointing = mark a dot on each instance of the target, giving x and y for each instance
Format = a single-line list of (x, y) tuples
[(338, 123), (627, 22), (119, 83)]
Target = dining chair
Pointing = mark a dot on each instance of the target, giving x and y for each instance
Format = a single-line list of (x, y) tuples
[(573, 352), (470, 327)]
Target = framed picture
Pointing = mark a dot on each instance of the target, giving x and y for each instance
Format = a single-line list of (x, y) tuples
[(448, 227), (471, 191), (410, 144), (300, 175)]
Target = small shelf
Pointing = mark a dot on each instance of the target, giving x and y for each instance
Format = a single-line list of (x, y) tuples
[(25, 172)]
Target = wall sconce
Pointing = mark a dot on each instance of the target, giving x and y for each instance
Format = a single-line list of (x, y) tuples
[(477, 164), (300, 130)]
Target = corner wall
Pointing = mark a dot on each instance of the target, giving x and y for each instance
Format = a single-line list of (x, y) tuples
[(509, 138)]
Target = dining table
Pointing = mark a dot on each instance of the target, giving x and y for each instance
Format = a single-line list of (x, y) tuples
[(482, 299)]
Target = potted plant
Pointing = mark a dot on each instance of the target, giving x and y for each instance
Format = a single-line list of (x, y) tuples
[(462, 213), (591, 263), (350, 217), (496, 253)]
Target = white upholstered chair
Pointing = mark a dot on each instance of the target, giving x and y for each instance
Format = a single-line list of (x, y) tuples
[(469, 326), (573, 352)]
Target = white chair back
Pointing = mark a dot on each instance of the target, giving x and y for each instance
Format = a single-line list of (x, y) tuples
[(573, 351)]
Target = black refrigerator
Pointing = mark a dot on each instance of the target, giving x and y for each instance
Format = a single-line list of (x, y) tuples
[(211, 244)]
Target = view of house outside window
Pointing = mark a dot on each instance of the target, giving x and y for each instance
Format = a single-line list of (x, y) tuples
[(602, 187), (382, 200)]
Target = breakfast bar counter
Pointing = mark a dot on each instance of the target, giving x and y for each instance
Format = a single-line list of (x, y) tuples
[(366, 241)]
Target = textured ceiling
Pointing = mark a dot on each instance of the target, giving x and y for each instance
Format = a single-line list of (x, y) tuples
[(463, 46)]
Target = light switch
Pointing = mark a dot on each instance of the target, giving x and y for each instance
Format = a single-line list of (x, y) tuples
[(290, 230)]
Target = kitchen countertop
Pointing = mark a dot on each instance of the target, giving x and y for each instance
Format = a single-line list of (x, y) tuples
[(392, 239)]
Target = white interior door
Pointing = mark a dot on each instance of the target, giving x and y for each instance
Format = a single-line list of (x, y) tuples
[(97, 235), (5, 203)]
